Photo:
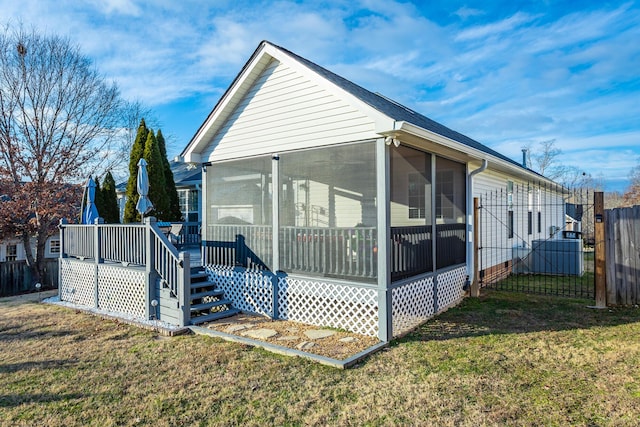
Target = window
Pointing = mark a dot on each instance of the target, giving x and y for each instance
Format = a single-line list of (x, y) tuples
[(510, 224), (12, 252), (539, 222), (189, 205), (529, 222), (54, 246), (444, 195), (510, 195), (416, 195)]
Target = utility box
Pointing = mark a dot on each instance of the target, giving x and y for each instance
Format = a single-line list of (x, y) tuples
[(557, 257)]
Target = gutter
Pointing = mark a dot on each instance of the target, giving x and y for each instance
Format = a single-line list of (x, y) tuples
[(470, 255)]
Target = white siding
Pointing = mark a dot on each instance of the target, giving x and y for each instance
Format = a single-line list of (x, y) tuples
[(283, 111), (497, 247)]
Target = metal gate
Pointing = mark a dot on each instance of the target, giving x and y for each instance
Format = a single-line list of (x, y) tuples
[(537, 238)]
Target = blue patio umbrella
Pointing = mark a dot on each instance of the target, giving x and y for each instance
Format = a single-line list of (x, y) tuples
[(90, 213), (144, 205)]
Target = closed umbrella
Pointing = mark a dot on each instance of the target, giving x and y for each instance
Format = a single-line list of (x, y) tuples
[(90, 213), (144, 205)]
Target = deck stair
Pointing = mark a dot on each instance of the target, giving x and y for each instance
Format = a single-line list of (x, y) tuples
[(207, 302)]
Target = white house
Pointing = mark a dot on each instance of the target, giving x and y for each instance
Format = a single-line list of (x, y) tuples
[(322, 203), (329, 204)]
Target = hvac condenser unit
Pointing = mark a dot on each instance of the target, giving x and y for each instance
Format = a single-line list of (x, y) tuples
[(557, 257)]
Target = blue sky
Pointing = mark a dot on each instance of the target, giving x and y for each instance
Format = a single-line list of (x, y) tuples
[(506, 73)]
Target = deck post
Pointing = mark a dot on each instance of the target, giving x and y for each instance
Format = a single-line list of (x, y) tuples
[(275, 230), (96, 258), (184, 288), (150, 271), (475, 284), (385, 321)]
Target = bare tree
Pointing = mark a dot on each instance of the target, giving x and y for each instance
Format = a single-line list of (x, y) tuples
[(57, 119), (632, 193), (544, 159)]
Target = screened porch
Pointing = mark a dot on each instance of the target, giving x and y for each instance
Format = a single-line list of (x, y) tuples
[(324, 215)]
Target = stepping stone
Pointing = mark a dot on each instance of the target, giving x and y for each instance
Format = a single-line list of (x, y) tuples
[(318, 334), (348, 339), (305, 345), (260, 334), (236, 328), (288, 338)]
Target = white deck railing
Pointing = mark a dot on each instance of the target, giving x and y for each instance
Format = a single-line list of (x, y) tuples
[(134, 246)]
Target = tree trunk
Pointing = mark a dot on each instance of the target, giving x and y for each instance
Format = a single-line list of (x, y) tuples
[(32, 261)]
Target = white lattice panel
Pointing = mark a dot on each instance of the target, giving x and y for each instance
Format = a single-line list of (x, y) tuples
[(121, 290), (249, 290), (450, 286), (77, 282), (329, 304), (411, 305)]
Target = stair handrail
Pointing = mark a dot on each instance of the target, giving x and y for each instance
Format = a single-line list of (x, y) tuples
[(172, 267)]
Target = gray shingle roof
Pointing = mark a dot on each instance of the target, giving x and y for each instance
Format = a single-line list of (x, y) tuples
[(396, 110)]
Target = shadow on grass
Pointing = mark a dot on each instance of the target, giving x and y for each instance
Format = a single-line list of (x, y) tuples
[(499, 312), (43, 364), (13, 400)]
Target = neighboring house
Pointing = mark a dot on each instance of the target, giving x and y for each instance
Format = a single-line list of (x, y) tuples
[(13, 249), (329, 204), (188, 179)]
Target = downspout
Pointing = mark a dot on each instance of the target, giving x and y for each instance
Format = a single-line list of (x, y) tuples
[(470, 213)]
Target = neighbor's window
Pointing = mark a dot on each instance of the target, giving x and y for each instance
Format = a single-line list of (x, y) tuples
[(54, 246), (510, 224), (12, 252)]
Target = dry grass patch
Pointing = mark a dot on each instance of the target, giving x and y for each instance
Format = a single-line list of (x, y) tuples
[(504, 359)]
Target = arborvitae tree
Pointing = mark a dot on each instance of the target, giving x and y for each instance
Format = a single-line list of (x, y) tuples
[(137, 151), (155, 170), (174, 213), (110, 212), (99, 201)]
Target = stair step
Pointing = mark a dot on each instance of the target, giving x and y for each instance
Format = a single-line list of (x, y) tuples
[(213, 293), (199, 275), (198, 285), (208, 305), (214, 316)]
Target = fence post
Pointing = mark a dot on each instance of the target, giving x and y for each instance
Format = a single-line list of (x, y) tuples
[(475, 285), (600, 258)]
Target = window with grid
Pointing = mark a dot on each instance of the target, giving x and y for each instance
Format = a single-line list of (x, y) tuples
[(416, 195), (12, 252)]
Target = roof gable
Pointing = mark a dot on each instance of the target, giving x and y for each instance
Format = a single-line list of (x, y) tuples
[(386, 113)]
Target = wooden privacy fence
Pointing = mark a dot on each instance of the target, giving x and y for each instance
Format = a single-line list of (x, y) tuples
[(622, 246), (15, 277)]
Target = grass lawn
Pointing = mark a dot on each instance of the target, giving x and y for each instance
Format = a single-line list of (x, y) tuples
[(503, 359)]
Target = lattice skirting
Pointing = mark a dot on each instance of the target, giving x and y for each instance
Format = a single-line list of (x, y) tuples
[(323, 303), (119, 289), (411, 305), (311, 301), (249, 290), (77, 282), (414, 302), (450, 284)]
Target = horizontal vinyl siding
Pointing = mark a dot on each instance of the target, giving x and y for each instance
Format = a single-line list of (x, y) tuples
[(497, 247), (285, 111)]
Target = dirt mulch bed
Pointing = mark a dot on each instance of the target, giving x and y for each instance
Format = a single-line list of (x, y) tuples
[(340, 345)]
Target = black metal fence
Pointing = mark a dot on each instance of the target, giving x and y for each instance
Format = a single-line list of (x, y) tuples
[(537, 238), (16, 277)]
